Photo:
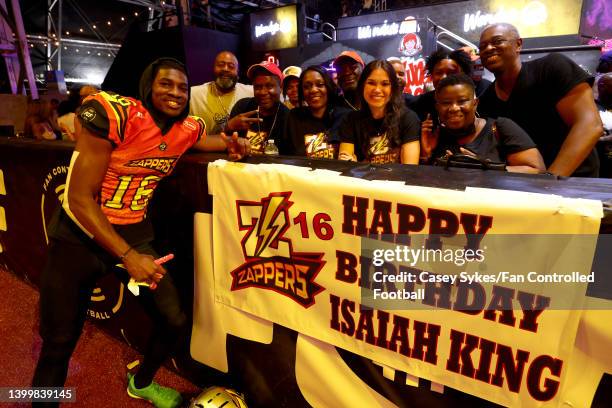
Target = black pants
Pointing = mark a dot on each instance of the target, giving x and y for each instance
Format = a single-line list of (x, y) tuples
[(70, 275)]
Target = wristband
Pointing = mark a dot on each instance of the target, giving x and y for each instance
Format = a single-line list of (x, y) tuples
[(122, 257)]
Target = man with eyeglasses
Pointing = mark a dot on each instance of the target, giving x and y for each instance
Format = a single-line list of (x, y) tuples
[(213, 101), (550, 98)]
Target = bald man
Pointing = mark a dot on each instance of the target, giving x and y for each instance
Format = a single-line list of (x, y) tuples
[(550, 98), (213, 101)]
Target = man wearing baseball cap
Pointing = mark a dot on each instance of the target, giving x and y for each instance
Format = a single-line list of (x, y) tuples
[(290, 85), (349, 66), (262, 117)]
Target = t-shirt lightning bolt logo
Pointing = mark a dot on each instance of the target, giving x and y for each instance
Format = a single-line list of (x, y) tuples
[(380, 150), (319, 146), (270, 260), (379, 145)]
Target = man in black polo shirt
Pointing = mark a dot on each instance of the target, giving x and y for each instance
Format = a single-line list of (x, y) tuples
[(550, 98)]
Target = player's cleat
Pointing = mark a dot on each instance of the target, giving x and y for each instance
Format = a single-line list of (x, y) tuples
[(161, 397)]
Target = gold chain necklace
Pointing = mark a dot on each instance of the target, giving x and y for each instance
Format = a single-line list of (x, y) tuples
[(349, 104), (221, 105), (273, 122)]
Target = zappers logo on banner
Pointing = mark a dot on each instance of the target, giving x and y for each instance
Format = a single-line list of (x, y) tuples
[(270, 261)]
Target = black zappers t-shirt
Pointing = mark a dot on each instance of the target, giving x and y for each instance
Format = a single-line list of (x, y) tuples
[(510, 139), (541, 84), (314, 137), (270, 128), (358, 127)]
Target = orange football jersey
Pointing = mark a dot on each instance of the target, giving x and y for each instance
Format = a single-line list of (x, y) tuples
[(141, 157)]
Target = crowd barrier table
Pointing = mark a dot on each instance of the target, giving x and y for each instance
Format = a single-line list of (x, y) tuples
[(32, 177)]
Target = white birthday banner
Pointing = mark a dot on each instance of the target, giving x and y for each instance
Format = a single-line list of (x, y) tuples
[(331, 256)]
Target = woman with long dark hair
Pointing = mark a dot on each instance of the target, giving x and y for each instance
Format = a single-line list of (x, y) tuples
[(383, 130), (312, 127)]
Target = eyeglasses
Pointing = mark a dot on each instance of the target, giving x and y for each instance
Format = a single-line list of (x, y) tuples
[(495, 42)]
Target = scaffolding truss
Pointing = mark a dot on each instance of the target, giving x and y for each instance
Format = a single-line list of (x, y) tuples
[(14, 50)]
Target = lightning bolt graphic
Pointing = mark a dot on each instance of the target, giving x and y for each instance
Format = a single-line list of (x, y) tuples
[(256, 138), (381, 146), (269, 226), (315, 142)]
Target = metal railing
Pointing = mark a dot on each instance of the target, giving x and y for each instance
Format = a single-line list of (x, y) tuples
[(320, 26), (333, 36), (442, 32)]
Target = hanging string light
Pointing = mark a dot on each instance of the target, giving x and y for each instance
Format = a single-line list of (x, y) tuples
[(95, 26)]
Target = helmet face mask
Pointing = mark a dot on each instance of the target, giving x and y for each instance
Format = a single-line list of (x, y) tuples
[(217, 397)]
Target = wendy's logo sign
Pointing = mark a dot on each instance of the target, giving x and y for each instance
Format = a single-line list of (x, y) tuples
[(410, 45)]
